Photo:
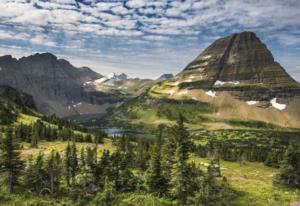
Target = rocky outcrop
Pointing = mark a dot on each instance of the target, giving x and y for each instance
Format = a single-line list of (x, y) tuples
[(240, 64)]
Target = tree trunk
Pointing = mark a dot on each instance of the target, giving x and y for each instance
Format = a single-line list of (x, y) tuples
[(10, 182)]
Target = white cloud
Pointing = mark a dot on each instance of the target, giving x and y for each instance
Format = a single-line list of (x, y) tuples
[(136, 3), (156, 38), (288, 39), (119, 10)]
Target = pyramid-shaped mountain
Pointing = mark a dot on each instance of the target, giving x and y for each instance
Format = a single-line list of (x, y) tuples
[(241, 64), (237, 76)]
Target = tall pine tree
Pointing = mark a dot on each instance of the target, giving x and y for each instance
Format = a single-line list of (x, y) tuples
[(53, 168), (155, 181), (10, 162), (68, 163), (290, 167), (181, 178), (73, 162)]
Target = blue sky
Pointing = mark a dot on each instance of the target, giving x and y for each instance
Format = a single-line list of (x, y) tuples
[(145, 38)]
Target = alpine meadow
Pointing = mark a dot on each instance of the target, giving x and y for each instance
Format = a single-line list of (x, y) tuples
[(149, 103)]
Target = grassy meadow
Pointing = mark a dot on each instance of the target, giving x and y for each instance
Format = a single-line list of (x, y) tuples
[(253, 182)]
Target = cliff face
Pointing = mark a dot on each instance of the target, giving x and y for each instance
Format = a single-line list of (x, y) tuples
[(55, 84), (241, 64)]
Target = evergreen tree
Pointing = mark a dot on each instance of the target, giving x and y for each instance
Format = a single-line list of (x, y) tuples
[(142, 154), (208, 189), (68, 160), (29, 171), (10, 162), (215, 165), (290, 167), (35, 174), (73, 162), (126, 181), (98, 138), (108, 191), (181, 179), (106, 197), (53, 168), (88, 138), (155, 181), (37, 133), (101, 168), (82, 158), (90, 157), (272, 159)]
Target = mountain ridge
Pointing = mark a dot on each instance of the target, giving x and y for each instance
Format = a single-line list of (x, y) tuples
[(238, 63)]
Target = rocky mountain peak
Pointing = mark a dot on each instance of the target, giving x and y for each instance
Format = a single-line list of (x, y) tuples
[(240, 64), (40, 57), (122, 77), (111, 75), (116, 77), (239, 57), (6, 57)]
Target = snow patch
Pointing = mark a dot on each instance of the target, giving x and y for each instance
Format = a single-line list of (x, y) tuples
[(252, 102), (277, 105), (211, 93), (195, 66), (78, 104), (206, 57), (87, 83), (204, 64), (177, 83), (184, 92), (218, 82), (111, 75), (101, 80), (171, 92)]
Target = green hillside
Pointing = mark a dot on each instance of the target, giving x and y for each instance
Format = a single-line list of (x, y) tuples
[(148, 111)]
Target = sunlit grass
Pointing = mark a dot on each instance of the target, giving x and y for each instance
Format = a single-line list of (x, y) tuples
[(254, 182), (46, 147)]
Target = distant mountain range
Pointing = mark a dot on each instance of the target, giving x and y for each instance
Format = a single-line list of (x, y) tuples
[(67, 91), (122, 84)]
